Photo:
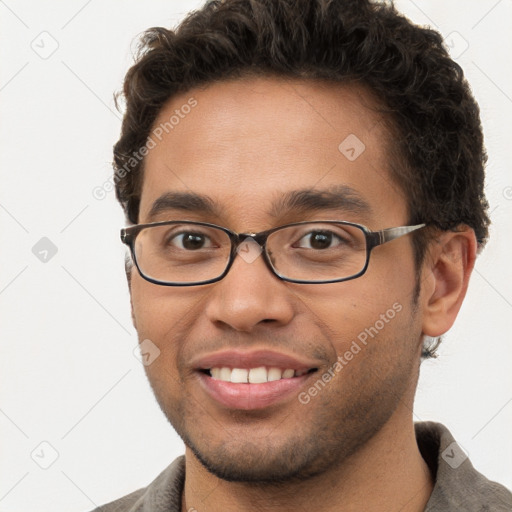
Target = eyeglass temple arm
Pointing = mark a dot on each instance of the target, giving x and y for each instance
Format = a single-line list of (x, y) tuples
[(127, 234), (125, 237), (386, 235)]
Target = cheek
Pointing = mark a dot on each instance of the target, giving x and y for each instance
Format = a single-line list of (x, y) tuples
[(373, 307), (168, 317), (163, 316), (157, 309), (353, 304)]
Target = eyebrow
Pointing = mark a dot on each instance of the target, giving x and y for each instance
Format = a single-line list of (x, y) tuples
[(183, 201), (340, 198)]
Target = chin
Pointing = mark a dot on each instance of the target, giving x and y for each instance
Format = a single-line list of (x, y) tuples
[(259, 464)]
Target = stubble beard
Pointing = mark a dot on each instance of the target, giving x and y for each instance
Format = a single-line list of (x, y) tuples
[(318, 441)]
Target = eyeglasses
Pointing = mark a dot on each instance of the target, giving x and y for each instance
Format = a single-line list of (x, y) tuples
[(182, 253)]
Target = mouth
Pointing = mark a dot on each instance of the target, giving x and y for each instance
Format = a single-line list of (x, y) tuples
[(250, 381)]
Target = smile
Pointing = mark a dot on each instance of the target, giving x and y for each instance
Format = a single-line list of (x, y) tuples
[(251, 380)]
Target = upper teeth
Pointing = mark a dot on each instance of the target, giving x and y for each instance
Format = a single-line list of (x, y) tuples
[(253, 375)]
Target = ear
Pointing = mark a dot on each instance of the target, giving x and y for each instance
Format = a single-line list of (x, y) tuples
[(447, 270), (134, 322), (128, 268)]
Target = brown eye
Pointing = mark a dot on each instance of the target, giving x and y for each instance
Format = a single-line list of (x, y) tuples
[(190, 241), (319, 240)]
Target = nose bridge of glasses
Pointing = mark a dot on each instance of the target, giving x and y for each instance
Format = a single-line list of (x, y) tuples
[(249, 246)]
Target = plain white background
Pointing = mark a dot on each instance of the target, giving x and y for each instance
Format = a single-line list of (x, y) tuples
[(69, 376)]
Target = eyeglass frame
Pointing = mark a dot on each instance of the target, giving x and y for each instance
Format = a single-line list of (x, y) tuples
[(373, 239)]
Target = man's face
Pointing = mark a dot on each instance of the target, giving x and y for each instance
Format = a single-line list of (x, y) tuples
[(246, 145)]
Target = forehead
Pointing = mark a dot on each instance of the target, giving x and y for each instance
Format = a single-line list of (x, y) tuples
[(244, 143)]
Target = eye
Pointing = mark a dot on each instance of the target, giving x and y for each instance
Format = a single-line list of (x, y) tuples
[(319, 240), (190, 241)]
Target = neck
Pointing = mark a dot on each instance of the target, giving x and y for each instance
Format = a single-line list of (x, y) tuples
[(388, 473)]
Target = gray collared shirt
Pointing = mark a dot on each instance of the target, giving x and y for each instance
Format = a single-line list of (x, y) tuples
[(458, 486)]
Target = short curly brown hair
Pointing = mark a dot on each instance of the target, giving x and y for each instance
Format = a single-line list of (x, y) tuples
[(437, 153), (440, 142)]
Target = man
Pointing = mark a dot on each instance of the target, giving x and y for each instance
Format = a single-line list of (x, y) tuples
[(305, 184)]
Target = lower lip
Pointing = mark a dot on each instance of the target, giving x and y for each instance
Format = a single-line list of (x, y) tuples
[(251, 396)]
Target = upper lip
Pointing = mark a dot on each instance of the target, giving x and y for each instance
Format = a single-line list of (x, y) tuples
[(252, 359)]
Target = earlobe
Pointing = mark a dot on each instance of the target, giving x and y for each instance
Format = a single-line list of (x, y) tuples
[(449, 267)]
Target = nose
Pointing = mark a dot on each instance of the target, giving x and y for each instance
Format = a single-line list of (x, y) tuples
[(250, 294)]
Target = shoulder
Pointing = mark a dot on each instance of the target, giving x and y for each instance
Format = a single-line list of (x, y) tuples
[(163, 494), (125, 504), (458, 485)]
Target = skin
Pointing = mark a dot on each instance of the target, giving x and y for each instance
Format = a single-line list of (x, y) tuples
[(244, 144)]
